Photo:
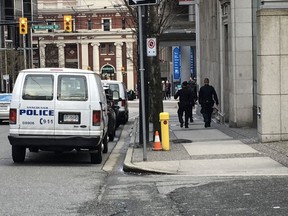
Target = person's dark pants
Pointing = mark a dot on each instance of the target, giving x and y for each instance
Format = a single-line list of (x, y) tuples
[(207, 114), (183, 109), (191, 112)]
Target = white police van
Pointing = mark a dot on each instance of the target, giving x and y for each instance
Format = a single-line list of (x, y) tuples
[(58, 109)]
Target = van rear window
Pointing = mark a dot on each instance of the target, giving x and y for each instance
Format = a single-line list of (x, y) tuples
[(72, 88), (114, 87), (38, 87)]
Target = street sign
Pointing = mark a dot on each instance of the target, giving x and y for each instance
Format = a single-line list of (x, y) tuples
[(151, 46), (45, 27), (142, 2)]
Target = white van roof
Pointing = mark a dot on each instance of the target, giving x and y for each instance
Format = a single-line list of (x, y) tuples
[(111, 81), (57, 70)]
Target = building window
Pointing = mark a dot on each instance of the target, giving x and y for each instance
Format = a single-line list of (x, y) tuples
[(103, 48), (89, 24), (123, 23), (111, 48), (106, 24), (107, 48)]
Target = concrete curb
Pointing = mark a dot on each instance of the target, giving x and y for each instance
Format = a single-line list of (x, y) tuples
[(128, 165)]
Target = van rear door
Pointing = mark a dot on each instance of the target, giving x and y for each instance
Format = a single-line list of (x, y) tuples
[(73, 112), (36, 109)]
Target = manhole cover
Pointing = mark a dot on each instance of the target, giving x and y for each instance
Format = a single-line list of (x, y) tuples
[(181, 141)]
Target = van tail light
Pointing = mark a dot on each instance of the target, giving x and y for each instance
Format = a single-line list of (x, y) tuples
[(96, 118), (124, 103), (13, 116)]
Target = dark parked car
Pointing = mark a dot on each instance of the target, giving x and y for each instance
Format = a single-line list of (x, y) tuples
[(112, 117), (131, 95)]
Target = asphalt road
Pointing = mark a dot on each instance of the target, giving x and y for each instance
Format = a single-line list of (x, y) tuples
[(67, 184)]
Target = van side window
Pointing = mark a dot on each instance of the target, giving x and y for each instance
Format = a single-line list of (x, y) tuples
[(38, 87), (72, 88)]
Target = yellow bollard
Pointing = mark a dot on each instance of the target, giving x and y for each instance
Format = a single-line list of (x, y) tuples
[(164, 119)]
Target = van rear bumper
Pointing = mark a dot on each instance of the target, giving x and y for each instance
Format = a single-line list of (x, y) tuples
[(57, 141)]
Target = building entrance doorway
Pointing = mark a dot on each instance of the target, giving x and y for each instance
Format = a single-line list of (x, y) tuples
[(108, 72)]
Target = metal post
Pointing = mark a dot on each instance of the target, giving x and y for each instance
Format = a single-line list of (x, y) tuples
[(24, 50), (197, 43), (141, 70)]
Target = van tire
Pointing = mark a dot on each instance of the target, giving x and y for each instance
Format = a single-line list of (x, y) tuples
[(96, 158), (105, 143), (18, 154)]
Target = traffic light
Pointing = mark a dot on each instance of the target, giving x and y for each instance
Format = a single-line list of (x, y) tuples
[(68, 23), (23, 25)]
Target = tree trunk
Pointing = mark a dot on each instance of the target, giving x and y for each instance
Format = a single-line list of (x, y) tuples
[(156, 99)]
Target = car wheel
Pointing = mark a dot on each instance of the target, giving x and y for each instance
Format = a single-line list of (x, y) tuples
[(112, 135), (18, 154), (105, 143), (96, 158)]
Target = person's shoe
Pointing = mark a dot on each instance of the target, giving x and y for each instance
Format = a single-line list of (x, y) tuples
[(206, 124), (209, 124), (186, 126), (191, 120), (181, 125)]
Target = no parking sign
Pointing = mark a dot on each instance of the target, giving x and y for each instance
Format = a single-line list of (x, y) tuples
[(151, 46)]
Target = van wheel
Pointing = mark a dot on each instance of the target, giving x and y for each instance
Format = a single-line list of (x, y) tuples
[(18, 154), (96, 158), (105, 143)]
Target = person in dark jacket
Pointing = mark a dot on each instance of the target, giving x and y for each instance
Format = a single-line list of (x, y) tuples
[(207, 98), (185, 98), (193, 86)]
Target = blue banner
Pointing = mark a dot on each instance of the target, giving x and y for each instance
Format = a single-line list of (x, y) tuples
[(176, 62), (192, 67)]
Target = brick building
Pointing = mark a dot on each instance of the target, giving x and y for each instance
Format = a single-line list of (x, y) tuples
[(102, 38)]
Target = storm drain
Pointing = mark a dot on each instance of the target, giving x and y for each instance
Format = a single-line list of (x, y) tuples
[(177, 141)]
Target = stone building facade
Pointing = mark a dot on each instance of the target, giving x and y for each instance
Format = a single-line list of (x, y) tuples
[(102, 39), (243, 51)]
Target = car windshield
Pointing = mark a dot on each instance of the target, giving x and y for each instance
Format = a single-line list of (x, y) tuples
[(5, 97)]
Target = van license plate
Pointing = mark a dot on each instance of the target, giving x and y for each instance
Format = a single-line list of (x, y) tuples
[(71, 118)]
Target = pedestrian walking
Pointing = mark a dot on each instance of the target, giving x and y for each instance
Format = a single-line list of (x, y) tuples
[(185, 98), (163, 90), (168, 89), (207, 98), (193, 86)]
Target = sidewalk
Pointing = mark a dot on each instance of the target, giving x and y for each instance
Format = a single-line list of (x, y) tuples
[(215, 151)]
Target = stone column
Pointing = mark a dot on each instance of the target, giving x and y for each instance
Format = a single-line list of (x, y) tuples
[(119, 60), (272, 76), (61, 55), (42, 55), (85, 59), (96, 57), (130, 72)]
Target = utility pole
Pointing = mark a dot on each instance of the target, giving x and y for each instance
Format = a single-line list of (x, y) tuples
[(2, 42)]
